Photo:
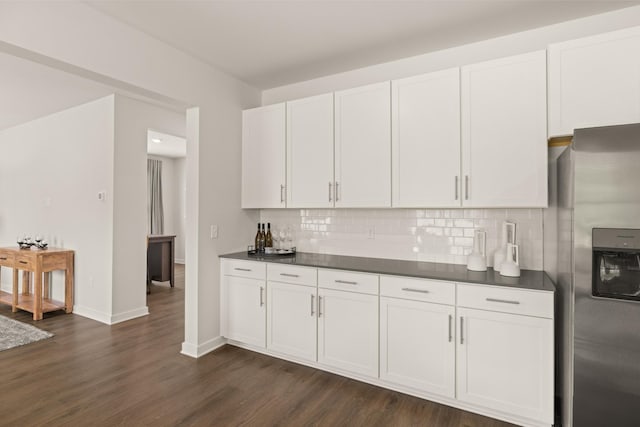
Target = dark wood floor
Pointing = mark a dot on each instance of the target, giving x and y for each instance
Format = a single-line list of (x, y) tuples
[(132, 374)]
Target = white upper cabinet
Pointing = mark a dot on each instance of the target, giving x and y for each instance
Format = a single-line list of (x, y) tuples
[(594, 81), (310, 152), (426, 140), (504, 138), (263, 157), (363, 146)]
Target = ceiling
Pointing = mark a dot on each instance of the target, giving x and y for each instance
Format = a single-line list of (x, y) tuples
[(272, 43), (169, 145), (30, 90)]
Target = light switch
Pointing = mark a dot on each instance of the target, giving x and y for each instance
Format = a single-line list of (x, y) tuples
[(102, 195), (214, 231)]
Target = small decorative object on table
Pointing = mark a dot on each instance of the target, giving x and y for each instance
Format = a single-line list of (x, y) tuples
[(26, 242)]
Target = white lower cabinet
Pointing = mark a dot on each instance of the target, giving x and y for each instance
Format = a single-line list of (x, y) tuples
[(417, 345), (478, 347), (505, 362), (245, 301), (291, 320), (348, 331)]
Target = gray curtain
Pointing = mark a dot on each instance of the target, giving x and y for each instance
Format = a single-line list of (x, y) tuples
[(154, 197)]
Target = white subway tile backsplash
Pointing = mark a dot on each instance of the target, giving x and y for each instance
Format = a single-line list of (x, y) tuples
[(431, 235)]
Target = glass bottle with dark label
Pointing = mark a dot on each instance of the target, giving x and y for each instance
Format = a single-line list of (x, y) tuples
[(263, 238), (268, 241), (257, 240)]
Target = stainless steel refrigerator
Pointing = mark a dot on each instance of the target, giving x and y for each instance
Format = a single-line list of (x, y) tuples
[(599, 267)]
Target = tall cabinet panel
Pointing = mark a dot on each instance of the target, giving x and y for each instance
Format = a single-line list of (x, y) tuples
[(504, 140), (594, 81), (263, 157), (310, 152), (426, 140), (363, 146)]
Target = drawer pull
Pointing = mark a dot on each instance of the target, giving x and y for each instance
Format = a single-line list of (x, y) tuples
[(346, 282), (261, 296), (289, 275), (450, 334), (319, 306), (461, 330), (242, 269), (504, 301), (23, 262), (3, 258), (422, 291)]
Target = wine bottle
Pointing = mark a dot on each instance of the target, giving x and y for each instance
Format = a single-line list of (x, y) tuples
[(257, 240), (263, 239), (268, 241)]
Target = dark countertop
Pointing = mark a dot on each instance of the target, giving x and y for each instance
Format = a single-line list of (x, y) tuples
[(529, 279)]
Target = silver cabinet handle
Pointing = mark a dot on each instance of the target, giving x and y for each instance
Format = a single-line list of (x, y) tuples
[(450, 330), (457, 187), (504, 301), (330, 187), (289, 275), (242, 269), (281, 193), (337, 193), (466, 187), (461, 330), (261, 296), (319, 306), (312, 312), (346, 282), (422, 291)]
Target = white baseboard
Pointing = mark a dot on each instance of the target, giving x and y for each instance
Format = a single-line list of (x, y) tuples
[(92, 314), (195, 351), (109, 319), (128, 315)]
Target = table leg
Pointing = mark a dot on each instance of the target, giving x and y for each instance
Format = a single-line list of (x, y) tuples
[(46, 285), (14, 306), (37, 291), (68, 285), (26, 282)]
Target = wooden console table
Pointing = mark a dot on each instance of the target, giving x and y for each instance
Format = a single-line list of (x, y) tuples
[(38, 262), (161, 256)]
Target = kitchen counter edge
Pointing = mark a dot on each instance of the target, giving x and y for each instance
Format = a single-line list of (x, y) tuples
[(529, 279)]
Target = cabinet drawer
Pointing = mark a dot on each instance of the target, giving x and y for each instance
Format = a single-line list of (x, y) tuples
[(24, 262), (516, 301), (347, 281), (6, 259), (248, 269), (291, 274), (437, 291)]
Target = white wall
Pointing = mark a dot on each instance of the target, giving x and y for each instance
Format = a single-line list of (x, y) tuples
[(513, 44), (76, 38), (132, 120), (51, 170), (173, 198)]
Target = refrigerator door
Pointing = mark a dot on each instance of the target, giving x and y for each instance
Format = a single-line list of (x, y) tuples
[(607, 331)]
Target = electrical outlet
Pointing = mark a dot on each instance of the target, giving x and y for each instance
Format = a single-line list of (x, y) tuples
[(214, 231)]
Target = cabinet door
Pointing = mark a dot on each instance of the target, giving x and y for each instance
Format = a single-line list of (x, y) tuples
[(348, 331), (263, 157), (363, 146), (244, 310), (310, 152), (291, 320), (417, 345), (426, 140), (505, 362), (504, 138), (594, 81)]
